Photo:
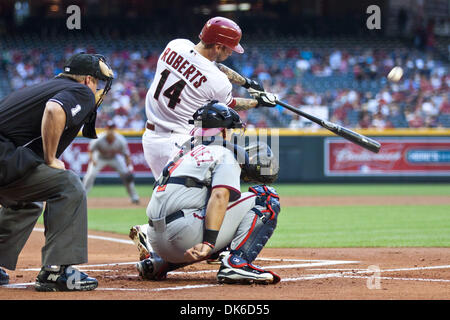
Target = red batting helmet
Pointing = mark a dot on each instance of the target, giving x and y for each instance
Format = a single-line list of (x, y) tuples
[(222, 31)]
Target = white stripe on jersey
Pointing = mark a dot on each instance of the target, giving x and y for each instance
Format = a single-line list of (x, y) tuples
[(184, 81)]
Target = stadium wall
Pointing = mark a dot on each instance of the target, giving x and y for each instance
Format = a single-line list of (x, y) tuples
[(310, 156)]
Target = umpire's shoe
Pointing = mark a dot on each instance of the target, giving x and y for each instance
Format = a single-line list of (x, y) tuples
[(64, 278), (4, 278), (235, 269)]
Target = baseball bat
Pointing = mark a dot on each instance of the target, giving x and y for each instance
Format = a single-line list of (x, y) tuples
[(345, 133)]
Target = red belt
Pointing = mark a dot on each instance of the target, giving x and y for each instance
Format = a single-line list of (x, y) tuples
[(150, 126)]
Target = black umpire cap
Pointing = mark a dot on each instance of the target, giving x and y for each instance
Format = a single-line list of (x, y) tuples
[(89, 64)]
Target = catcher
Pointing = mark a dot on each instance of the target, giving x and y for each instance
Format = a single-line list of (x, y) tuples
[(197, 209)]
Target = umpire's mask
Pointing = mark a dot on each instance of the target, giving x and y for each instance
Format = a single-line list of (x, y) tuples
[(94, 65)]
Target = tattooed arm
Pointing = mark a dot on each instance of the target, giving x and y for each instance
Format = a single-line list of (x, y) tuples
[(236, 78), (243, 104), (232, 75)]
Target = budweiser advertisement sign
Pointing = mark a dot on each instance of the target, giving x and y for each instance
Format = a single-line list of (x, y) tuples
[(76, 158), (397, 156)]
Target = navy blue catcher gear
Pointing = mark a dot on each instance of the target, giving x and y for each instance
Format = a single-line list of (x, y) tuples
[(213, 118), (262, 166), (264, 223)]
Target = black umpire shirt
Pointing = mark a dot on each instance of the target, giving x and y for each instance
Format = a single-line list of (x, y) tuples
[(21, 112)]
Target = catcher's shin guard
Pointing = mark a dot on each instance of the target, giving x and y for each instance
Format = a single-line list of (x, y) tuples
[(264, 223)]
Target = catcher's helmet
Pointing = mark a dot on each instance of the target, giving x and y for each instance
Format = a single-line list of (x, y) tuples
[(222, 31), (214, 117), (262, 166)]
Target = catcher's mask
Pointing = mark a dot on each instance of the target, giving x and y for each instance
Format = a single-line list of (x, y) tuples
[(262, 166), (213, 118)]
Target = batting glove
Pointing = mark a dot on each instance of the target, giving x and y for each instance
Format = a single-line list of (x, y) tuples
[(265, 99), (252, 84)]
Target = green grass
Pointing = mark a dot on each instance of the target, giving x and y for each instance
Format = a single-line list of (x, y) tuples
[(118, 190), (323, 226), (308, 189), (116, 220), (363, 226), (362, 189), (332, 226)]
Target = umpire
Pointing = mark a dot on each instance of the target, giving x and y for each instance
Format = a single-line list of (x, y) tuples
[(37, 124)]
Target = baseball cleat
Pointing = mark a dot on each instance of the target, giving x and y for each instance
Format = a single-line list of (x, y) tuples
[(217, 257), (235, 270), (64, 278), (139, 236), (4, 278)]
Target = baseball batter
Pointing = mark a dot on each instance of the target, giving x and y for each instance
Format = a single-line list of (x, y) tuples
[(188, 76), (197, 208), (111, 149)]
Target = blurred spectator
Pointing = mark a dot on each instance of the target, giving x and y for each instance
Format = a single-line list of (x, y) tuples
[(415, 119), (444, 108), (365, 121), (349, 81)]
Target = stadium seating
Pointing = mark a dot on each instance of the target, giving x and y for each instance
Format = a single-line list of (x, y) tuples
[(294, 67)]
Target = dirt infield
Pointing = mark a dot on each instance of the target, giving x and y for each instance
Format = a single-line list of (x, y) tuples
[(307, 273), (400, 273)]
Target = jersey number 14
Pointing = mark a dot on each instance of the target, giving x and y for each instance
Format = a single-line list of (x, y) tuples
[(173, 92)]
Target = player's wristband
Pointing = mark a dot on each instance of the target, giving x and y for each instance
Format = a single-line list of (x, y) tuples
[(210, 237), (209, 244)]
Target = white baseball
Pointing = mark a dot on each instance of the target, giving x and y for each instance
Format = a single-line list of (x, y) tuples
[(395, 74)]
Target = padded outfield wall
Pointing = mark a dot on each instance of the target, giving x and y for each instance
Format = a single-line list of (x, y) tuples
[(308, 156)]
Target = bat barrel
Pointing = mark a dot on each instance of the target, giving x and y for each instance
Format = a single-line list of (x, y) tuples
[(360, 140), (345, 133)]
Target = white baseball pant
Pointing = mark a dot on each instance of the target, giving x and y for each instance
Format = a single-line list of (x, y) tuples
[(170, 241), (118, 164), (160, 148)]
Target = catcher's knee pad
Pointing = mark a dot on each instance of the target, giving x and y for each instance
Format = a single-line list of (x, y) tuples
[(264, 223)]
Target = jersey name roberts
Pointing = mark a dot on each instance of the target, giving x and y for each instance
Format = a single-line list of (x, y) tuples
[(172, 58), (184, 81)]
